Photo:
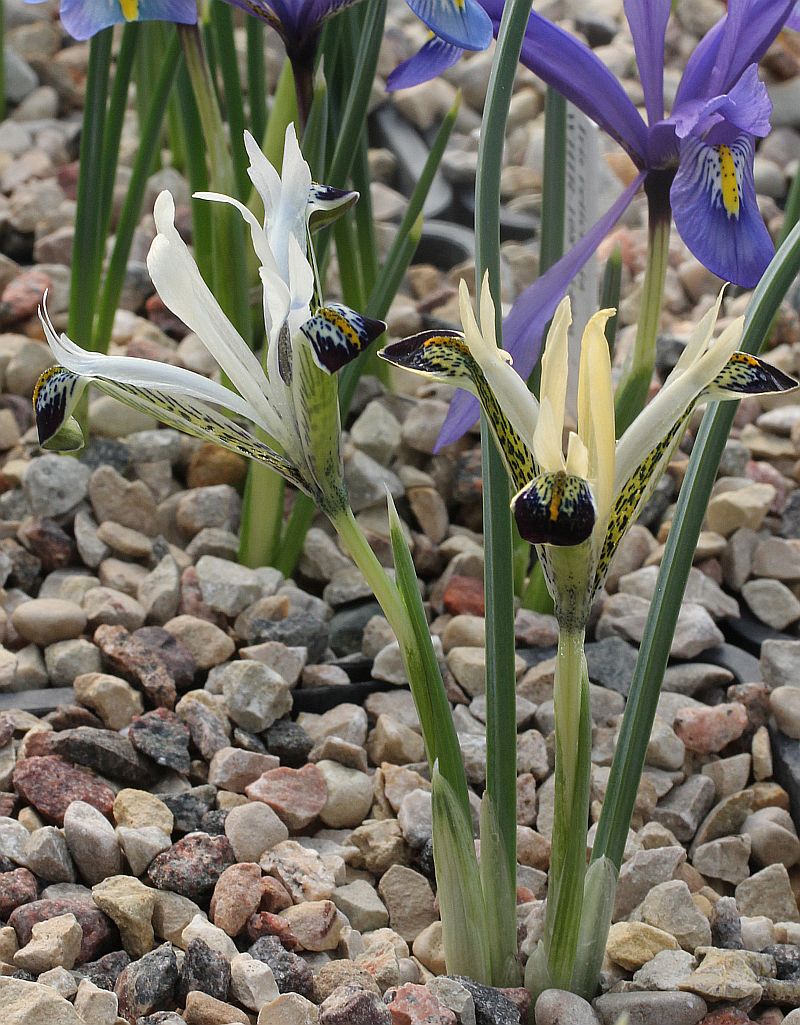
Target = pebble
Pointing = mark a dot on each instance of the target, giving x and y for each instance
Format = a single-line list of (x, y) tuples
[(45, 621), (130, 905), (784, 703), (644, 1008), (204, 970), (669, 907), (207, 643), (633, 944), (192, 866), (253, 829), (163, 738), (54, 486), (768, 893), (28, 1002), (51, 785), (114, 700), (706, 730), (255, 695), (409, 900), (559, 1007), (236, 897), (348, 795), (148, 984), (53, 943), (296, 795), (92, 842)]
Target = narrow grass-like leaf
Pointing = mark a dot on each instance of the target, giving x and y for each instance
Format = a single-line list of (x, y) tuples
[(197, 172), (499, 893), (222, 22), (131, 209), (115, 118), (501, 758), (610, 292), (598, 907), (637, 722), (462, 907), (256, 76)]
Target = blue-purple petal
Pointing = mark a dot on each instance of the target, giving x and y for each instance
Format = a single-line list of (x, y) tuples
[(524, 327), (648, 24), (462, 23), (570, 67), (793, 22), (739, 39), (746, 108), (735, 247), (435, 57), (83, 19), (182, 12)]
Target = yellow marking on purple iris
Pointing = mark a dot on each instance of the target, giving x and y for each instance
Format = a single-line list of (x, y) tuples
[(729, 183), (130, 9)]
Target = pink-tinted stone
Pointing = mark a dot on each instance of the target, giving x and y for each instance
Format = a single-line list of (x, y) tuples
[(232, 768), (520, 998), (193, 865), (191, 600), (138, 663), (99, 932), (48, 542), (416, 1005), (16, 888), (22, 296), (349, 1005), (274, 895), (711, 729), (236, 897), (264, 923), (464, 595), (51, 785), (297, 796)]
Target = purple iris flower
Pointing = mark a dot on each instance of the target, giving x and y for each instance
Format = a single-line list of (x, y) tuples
[(696, 163), (85, 18), (460, 24)]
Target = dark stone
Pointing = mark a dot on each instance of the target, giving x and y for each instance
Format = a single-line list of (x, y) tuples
[(292, 973), (790, 518), (69, 717), (204, 969), (346, 628), (99, 933), (105, 970), (599, 31), (51, 545), (148, 984), (352, 1005), (424, 860), (162, 737), (192, 866), (611, 663), (128, 657), (298, 629), (25, 566), (786, 767), (744, 666), (106, 752), (213, 822), (491, 1006), (161, 1018), (787, 959), (51, 785), (726, 925), (16, 888), (180, 661), (289, 742), (208, 732), (190, 806), (106, 452)]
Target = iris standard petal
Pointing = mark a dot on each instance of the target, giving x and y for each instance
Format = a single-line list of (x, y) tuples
[(577, 73), (746, 108), (739, 39), (524, 326), (715, 211), (463, 23), (430, 61), (648, 24)]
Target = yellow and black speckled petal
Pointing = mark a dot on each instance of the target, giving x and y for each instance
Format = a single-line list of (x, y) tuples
[(326, 204), (744, 374), (55, 396), (555, 509), (445, 355), (338, 334)]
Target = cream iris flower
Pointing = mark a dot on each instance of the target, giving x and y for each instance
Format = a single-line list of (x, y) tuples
[(292, 400), (584, 494)]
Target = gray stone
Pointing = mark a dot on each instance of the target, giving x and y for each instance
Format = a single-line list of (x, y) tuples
[(226, 586), (666, 971), (65, 660), (669, 906), (683, 809), (625, 615), (641, 872), (780, 663), (255, 695), (54, 485), (772, 602), (558, 1007), (769, 893), (92, 842), (649, 1008)]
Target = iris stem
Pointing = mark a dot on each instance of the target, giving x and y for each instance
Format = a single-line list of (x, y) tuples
[(87, 246), (501, 758), (632, 392), (256, 77), (573, 735)]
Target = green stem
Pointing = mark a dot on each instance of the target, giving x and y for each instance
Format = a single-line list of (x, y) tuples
[(632, 392), (501, 764), (256, 77), (573, 733), (129, 217), (222, 21), (87, 245)]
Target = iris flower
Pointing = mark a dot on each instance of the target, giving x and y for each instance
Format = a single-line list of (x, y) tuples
[(293, 402), (84, 18), (587, 494), (462, 24), (697, 162)]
